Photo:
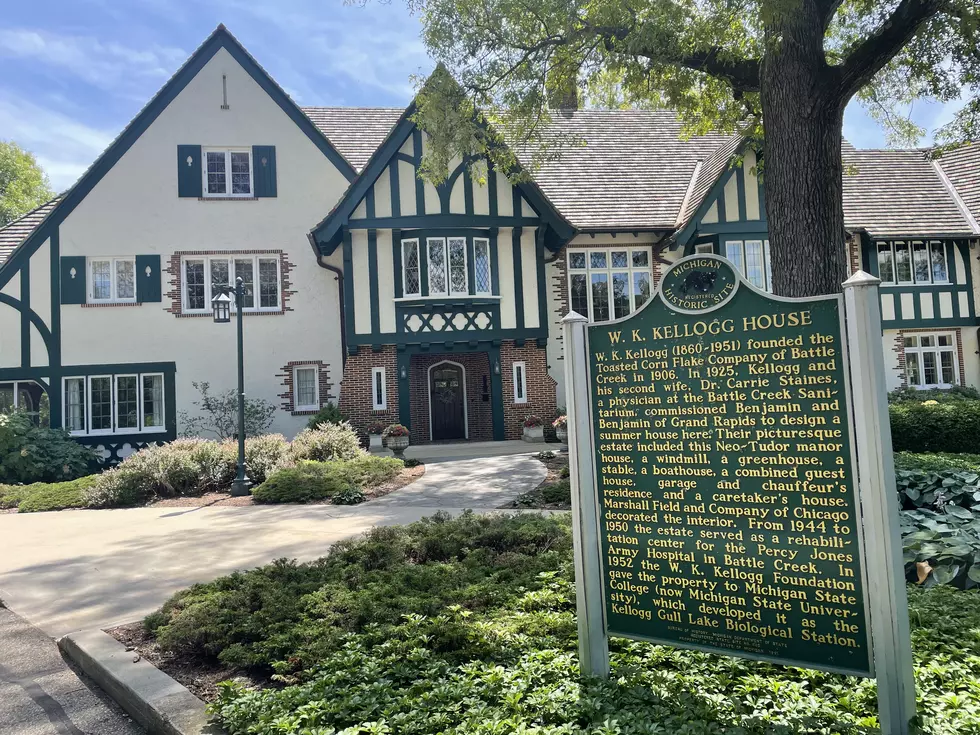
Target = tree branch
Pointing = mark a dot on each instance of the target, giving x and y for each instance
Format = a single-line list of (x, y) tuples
[(827, 10), (870, 56)]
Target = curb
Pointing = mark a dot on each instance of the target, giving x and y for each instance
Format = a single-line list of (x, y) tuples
[(156, 701)]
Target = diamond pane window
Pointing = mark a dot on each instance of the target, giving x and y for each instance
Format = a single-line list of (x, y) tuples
[(920, 259), (621, 294), (641, 288), (436, 251), (597, 259), (903, 263), (886, 263), (411, 284), (481, 265), (457, 266), (620, 259), (641, 259), (600, 297), (576, 259)]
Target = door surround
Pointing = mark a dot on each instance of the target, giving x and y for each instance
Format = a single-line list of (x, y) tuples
[(466, 416)]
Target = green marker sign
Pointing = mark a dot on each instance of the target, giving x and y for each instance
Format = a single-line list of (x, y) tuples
[(725, 474)]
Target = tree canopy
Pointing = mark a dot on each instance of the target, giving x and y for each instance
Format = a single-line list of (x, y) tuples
[(23, 183), (781, 71)]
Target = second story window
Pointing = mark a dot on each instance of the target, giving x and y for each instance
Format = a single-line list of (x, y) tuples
[(447, 266), (481, 266), (203, 276), (912, 262), (111, 280), (751, 259), (227, 173), (411, 275), (608, 284)]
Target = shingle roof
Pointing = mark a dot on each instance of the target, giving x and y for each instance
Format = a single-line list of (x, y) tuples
[(708, 174), (898, 192), (14, 233), (633, 171), (962, 168), (354, 131)]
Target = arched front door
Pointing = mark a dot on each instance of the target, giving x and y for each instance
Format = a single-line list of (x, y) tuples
[(447, 393)]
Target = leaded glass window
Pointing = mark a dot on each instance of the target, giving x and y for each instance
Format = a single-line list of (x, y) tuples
[(917, 261), (457, 266), (112, 279), (481, 265), (101, 280), (100, 407), (205, 278), (227, 173), (241, 176), (194, 288), (436, 252), (152, 401), (268, 283), (217, 182), (127, 402), (245, 269), (751, 258), (412, 281)]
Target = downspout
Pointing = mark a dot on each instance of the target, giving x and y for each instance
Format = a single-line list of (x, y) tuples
[(340, 291)]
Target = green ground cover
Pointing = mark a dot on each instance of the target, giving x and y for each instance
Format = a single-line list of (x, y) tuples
[(468, 626), (40, 496)]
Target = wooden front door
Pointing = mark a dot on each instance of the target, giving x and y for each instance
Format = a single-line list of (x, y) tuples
[(446, 395)]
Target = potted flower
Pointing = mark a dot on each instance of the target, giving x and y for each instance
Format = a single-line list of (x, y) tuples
[(533, 429), (374, 432), (561, 428), (396, 438)]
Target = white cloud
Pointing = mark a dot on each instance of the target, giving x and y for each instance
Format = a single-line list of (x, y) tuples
[(106, 65), (64, 147)]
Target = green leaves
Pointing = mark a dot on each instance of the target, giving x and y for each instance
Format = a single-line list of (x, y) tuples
[(23, 183)]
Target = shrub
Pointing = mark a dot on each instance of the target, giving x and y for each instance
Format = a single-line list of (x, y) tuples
[(350, 496), (329, 414), (219, 414), (41, 496), (368, 470), (30, 453), (559, 492), (161, 471), (937, 461), (217, 464), (327, 442), (939, 427), (264, 455), (914, 395), (303, 483)]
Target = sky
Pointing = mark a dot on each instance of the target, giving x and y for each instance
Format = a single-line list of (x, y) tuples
[(73, 73)]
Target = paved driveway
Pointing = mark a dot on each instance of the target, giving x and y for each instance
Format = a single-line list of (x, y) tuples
[(71, 570)]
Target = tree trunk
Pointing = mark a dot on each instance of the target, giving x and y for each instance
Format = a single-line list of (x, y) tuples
[(803, 118)]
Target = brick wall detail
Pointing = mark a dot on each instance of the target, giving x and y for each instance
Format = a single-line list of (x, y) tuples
[(541, 400), (175, 295), (285, 376), (355, 390)]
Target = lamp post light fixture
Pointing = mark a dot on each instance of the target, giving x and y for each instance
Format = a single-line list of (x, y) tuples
[(221, 306)]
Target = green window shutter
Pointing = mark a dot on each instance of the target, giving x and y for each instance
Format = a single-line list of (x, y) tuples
[(264, 170), (189, 182), (73, 279), (148, 278)]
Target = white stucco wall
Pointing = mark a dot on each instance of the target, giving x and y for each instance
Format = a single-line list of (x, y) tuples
[(135, 210)]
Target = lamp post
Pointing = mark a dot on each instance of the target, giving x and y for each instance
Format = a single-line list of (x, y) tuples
[(221, 306)]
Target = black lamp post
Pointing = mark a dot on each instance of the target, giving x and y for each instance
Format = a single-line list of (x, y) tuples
[(221, 305)]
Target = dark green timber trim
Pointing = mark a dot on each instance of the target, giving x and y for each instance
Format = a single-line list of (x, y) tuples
[(33, 318), (25, 319), (518, 277), (394, 184), (740, 187), (496, 392), (373, 275), (494, 260), (468, 191), (492, 190), (435, 221), (54, 348), (752, 227), (419, 183), (470, 268), (423, 265), (396, 261), (542, 291), (722, 207), (404, 388), (348, 287)]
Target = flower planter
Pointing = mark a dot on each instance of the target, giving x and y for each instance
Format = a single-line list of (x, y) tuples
[(398, 445), (377, 443), (534, 434), (562, 433)]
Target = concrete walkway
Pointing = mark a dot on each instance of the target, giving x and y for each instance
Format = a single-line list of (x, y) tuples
[(72, 570), (41, 695)]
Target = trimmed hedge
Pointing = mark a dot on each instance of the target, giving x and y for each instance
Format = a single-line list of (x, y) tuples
[(937, 461), (953, 426), (41, 496)]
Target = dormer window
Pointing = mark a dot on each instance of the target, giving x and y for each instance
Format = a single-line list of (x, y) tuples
[(227, 173)]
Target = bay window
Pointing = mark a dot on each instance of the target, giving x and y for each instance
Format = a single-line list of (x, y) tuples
[(608, 284), (205, 276), (930, 360), (908, 262), (114, 404)]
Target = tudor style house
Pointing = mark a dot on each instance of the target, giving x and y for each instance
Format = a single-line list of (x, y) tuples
[(435, 306)]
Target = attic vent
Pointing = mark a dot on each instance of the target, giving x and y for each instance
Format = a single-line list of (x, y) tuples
[(224, 92)]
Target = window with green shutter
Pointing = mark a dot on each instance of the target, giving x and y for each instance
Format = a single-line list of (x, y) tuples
[(189, 178), (73, 279), (148, 279)]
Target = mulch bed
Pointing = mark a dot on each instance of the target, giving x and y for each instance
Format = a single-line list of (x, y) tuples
[(201, 679), (534, 498), (406, 476)]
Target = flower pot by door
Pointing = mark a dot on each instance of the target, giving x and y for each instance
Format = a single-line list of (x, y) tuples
[(398, 445), (534, 434), (562, 433), (377, 443)]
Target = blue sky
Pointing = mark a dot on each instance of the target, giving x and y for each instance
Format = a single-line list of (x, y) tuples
[(74, 72)]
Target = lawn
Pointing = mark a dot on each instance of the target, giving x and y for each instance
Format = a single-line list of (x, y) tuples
[(468, 626)]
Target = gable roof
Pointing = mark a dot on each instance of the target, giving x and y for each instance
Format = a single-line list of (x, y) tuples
[(962, 168), (355, 131), (899, 193), (15, 232), (219, 39)]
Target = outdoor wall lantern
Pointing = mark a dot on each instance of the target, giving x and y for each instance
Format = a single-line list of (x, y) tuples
[(404, 373), (496, 367), (221, 305)]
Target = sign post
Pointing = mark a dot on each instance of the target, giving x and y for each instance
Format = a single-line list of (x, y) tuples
[(730, 486)]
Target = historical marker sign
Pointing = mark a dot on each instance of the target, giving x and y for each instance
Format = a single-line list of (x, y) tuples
[(724, 472)]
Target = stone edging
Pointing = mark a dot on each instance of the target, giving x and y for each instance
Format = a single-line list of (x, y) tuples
[(153, 699)]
